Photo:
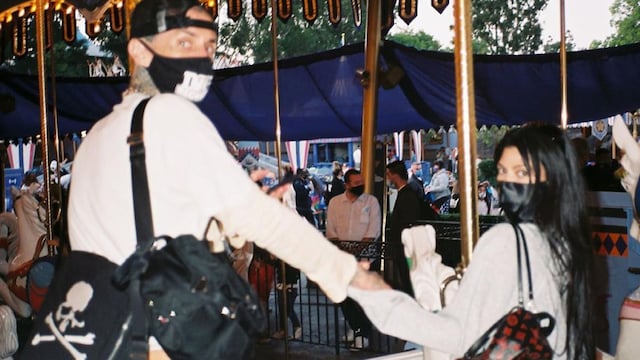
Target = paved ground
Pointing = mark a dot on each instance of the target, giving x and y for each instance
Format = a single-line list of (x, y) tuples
[(274, 350)]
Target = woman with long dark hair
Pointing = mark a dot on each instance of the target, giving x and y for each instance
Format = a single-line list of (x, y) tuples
[(541, 190), (557, 205)]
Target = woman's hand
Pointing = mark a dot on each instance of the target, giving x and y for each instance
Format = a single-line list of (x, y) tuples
[(368, 280)]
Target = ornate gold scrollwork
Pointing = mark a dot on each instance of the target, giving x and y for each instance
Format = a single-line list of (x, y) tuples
[(234, 10), (48, 28), (284, 10), (334, 8), (116, 15), (408, 10), (93, 28), (439, 5), (356, 6), (259, 9), (69, 25), (310, 10), (19, 36)]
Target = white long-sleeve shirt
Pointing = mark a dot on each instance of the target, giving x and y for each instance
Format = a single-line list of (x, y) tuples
[(488, 290)]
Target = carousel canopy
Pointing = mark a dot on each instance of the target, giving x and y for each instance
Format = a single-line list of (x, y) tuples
[(321, 95)]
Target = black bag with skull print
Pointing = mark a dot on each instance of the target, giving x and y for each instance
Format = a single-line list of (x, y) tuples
[(84, 316)]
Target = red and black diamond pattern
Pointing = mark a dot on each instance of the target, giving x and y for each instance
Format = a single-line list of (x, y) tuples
[(517, 335)]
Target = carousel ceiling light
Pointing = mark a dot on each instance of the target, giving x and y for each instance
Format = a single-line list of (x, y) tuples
[(33, 8), (9, 18), (69, 10), (58, 6), (210, 3), (96, 28), (46, 6), (120, 4), (21, 12)]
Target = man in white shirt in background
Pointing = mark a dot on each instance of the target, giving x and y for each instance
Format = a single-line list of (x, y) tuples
[(354, 216)]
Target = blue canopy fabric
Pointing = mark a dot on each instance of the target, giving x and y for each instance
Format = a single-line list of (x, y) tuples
[(321, 97)]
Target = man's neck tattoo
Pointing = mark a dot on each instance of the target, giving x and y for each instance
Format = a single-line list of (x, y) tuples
[(141, 83)]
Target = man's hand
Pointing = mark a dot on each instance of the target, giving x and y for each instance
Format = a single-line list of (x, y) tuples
[(260, 175), (367, 280)]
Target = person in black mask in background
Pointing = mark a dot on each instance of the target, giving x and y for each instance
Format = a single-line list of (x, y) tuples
[(536, 163), (354, 216)]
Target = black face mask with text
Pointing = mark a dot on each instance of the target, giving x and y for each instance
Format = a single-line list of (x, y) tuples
[(518, 201), (188, 77)]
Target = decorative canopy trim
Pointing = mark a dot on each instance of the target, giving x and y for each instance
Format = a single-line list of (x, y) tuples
[(94, 11), (310, 10)]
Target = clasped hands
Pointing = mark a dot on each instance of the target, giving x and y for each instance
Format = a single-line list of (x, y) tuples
[(368, 280)]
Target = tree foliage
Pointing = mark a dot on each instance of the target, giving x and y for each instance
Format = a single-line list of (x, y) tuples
[(419, 40), (112, 43), (553, 47), (66, 56), (508, 26), (625, 18), (249, 41)]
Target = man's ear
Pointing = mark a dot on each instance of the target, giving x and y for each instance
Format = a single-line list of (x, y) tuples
[(139, 53)]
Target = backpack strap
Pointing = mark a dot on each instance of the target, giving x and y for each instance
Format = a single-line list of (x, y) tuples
[(140, 185), (521, 239), (144, 230)]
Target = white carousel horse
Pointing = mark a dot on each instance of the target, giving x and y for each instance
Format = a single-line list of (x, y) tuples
[(428, 274), (23, 233), (628, 345)]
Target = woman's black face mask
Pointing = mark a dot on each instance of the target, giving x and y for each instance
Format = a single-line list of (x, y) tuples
[(518, 201)]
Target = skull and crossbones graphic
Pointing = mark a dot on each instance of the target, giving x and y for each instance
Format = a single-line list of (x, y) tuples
[(66, 317)]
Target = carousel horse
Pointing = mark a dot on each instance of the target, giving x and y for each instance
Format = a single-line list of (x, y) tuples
[(429, 277), (25, 235), (628, 346)]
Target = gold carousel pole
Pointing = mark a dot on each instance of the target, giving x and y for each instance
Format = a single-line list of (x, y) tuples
[(129, 5), (370, 96), (44, 123), (276, 87), (564, 116), (278, 146), (466, 122)]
